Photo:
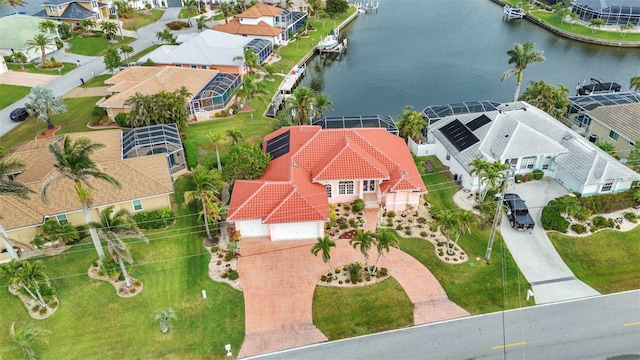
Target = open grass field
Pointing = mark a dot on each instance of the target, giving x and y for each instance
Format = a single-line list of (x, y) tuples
[(347, 312), (94, 323), (94, 46), (34, 69), (606, 261), (142, 19), (11, 94)]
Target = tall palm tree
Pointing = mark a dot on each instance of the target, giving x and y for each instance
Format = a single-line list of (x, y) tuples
[(11, 187), (411, 123), (494, 175), (363, 240), (521, 56), (634, 83), (87, 24), (42, 103), (30, 276), (40, 41), (251, 88), (235, 134), (322, 103), (300, 104), (479, 168), (72, 160), (14, 4), (324, 245), (112, 228), (217, 139), (126, 50), (251, 60), (384, 240), (110, 29), (192, 9), (26, 337), (207, 186), (201, 23), (466, 220), (226, 10)]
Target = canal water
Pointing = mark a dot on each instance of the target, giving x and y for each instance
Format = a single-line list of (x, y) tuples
[(432, 52)]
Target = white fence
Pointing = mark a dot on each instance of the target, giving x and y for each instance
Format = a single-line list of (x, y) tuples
[(421, 149)]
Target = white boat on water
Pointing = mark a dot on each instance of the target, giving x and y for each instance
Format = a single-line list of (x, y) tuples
[(329, 42), (513, 12)]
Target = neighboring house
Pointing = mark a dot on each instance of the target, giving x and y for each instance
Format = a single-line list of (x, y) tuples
[(612, 118), (267, 22), (311, 167), (146, 184), (212, 50), (295, 5), (15, 30), (211, 90), (527, 138), (72, 12)]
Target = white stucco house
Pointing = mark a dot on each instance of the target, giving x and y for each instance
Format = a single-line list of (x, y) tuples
[(312, 167), (527, 138)]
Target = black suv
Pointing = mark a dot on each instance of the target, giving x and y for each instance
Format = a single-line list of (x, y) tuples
[(517, 212), (19, 114)]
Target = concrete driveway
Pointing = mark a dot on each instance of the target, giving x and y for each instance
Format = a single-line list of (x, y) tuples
[(550, 278)]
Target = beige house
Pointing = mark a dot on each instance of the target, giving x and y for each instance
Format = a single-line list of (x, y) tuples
[(73, 11), (618, 125), (146, 186)]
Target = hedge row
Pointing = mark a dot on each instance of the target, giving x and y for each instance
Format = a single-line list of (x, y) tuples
[(157, 219), (606, 203)]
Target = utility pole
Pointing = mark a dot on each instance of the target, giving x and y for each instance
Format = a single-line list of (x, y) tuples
[(496, 217)]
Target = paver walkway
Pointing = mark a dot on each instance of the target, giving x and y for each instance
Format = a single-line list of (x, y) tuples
[(279, 279)]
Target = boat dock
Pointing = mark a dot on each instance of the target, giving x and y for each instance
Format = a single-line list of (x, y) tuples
[(285, 90), (364, 7)]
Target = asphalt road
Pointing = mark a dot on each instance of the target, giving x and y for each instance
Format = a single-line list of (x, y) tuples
[(601, 327)]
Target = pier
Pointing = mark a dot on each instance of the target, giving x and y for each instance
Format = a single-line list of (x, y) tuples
[(367, 7)]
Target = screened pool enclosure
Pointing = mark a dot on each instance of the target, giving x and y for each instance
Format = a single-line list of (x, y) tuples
[(155, 139), (216, 95), (612, 12), (347, 122)]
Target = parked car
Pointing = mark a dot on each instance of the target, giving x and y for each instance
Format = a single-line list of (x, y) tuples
[(517, 212), (19, 114)]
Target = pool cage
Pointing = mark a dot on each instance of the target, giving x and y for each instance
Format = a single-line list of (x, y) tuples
[(262, 48), (216, 95), (437, 112), (155, 139), (347, 122), (612, 12), (289, 21), (579, 106)]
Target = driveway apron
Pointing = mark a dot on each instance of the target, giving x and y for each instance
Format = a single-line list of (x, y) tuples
[(279, 280), (550, 278)]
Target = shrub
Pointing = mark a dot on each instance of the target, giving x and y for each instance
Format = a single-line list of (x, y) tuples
[(347, 207), (519, 178), (384, 271), (552, 219), (343, 226), (582, 215), (233, 275), (97, 112), (408, 232), (631, 216), (352, 222), (147, 6), (538, 174), (399, 228), (112, 16), (121, 120), (579, 228), (606, 203), (215, 249), (391, 214), (51, 64), (157, 219), (177, 25), (191, 153), (149, 62), (354, 272), (601, 222), (357, 205), (423, 234), (422, 220), (323, 278)]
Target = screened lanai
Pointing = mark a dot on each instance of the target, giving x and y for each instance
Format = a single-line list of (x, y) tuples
[(346, 122), (155, 139), (579, 106), (437, 112), (612, 12), (262, 48), (216, 94)]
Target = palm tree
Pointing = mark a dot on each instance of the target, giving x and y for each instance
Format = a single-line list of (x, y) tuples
[(570, 205), (207, 186), (50, 27), (164, 317), (40, 41), (623, 27), (235, 134), (300, 104), (384, 240), (216, 139), (126, 50), (14, 4), (447, 221), (411, 123), (11, 187), (322, 103), (595, 24), (111, 228), (225, 9), (250, 89), (142, 111), (479, 168), (110, 29), (494, 175), (30, 276), (167, 37), (72, 160), (20, 58), (202, 23), (363, 240), (521, 56), (466, 220), (43, 103), (251, 60), (324, 245), (26, 337), (190, 5), (634, 83)]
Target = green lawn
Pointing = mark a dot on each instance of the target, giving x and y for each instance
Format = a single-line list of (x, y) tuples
[(94, 46), (553, 20), (184, 14), (606, 261), (96, 81), (142, 19), (11, 94), (34, 69), (74, 119), (93, 323), (347, 312)]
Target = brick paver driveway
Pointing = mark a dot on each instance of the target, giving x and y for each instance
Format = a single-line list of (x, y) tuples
[(279, 279)]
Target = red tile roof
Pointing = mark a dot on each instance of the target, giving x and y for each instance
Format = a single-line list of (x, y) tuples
[(259, 10), (291, 188)]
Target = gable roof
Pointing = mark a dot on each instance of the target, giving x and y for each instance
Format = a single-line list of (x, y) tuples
[(149, 80), (209, 47), (260, 29), (140, 177), (292, 187), (623, 119), (259, 10)]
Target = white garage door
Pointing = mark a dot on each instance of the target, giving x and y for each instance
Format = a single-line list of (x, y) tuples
[(295, 231)]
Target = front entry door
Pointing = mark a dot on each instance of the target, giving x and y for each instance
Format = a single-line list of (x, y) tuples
[(368, 185)]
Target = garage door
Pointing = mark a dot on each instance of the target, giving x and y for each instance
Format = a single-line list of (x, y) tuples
[(174, 3), (295, 231)]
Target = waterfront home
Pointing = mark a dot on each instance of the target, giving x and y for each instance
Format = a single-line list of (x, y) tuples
[(72, 12), (311, 168)]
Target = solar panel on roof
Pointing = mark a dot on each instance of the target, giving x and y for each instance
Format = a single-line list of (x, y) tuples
[(459, 135), (279, 145), (478, 122)]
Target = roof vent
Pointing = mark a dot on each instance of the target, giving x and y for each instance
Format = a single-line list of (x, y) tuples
[(567, 137), (296, 164)]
